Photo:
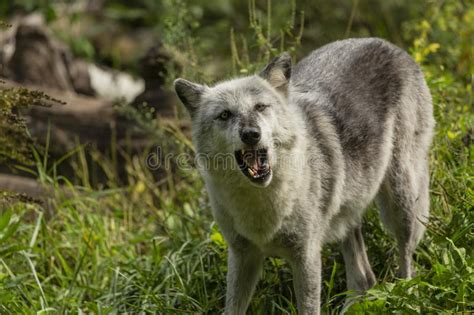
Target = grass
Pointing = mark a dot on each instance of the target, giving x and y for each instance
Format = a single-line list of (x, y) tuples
[(152, 247), (149, 248)]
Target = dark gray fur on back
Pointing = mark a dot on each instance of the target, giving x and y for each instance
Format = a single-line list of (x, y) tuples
[(359, 82)]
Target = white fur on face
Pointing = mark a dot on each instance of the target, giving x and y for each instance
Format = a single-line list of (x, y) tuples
[(238, 96), (214, 137)]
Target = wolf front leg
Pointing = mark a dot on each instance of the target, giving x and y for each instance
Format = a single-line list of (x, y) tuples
[(244, 267), (307, 281)]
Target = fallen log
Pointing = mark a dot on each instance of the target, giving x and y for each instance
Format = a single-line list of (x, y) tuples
[(81, 119), (23, 185)]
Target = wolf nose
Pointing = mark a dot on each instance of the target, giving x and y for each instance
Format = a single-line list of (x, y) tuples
[(250, 135)]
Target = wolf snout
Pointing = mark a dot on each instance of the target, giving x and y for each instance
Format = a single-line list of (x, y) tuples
[(250, 135)]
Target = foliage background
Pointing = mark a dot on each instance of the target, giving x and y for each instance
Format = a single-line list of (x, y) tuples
[(151, 247)]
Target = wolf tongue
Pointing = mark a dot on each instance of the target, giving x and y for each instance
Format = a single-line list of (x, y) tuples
[(251, 159)]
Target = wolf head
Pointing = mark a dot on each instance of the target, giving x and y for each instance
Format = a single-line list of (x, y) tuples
[(240, 126)]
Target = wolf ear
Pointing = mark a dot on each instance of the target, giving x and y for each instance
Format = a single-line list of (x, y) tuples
[(189, 93), (278, 72)]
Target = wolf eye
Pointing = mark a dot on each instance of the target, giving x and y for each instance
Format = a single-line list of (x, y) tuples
[(260, 107), (225, 115)]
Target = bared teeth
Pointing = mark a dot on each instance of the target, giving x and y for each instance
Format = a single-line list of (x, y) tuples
[(253, 162), (251, 172)]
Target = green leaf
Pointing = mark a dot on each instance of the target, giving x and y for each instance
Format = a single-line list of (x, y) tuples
[(5, 219), (10, 249), (10, 231)]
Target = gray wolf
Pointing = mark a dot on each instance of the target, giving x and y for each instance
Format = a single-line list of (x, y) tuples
[(311, 146)]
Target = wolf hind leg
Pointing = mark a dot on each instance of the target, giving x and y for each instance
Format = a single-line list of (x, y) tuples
[(404, 203), (359, 274)]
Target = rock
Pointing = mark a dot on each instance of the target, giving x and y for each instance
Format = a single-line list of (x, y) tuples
[(7, 47), (79, 75), (36, 59), (34, 56), (114, 85)]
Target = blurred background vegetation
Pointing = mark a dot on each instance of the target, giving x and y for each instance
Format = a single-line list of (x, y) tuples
[(106, 31), (143, 240)]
